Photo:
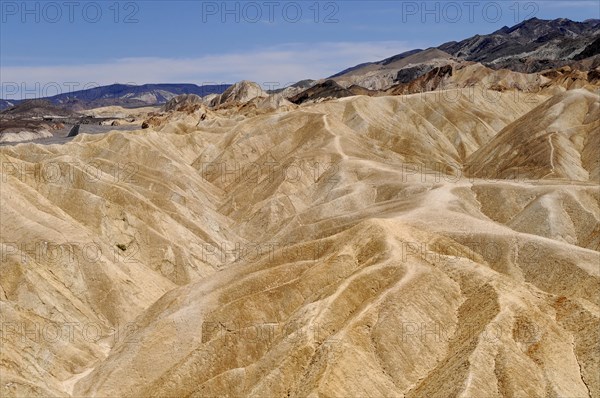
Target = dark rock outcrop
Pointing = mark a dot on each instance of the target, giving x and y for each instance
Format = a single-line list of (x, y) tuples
[(327, 90), (407, 75), (74, 131)]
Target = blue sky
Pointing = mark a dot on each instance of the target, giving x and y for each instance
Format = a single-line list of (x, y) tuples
[(53, 46)]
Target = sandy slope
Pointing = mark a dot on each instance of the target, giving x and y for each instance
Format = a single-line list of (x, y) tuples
[(558, 139), (347, 248)]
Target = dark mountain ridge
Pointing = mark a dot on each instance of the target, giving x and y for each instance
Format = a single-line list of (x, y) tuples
[(530, 46), (125, 95)]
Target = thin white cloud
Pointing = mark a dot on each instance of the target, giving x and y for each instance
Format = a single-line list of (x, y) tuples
[(283, 64), (570, 4)]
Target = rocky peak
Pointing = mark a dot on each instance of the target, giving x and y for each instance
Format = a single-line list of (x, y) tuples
[(239, 93)]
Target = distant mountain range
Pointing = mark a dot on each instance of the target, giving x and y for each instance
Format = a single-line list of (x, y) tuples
[(124, 95), (534, 45), (531, 46)]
